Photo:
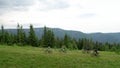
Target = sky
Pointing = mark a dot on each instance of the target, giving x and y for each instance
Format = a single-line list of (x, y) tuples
[(81, 15)]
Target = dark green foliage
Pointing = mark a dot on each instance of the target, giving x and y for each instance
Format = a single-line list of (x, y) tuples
[(21, 36), (32, 38), (49, 40), (70, 43), (87, 44), (67, 41), (10, 39), (4, 36), (74, 44), (80, 44), (2, 40), (57, 43), (44, 37)]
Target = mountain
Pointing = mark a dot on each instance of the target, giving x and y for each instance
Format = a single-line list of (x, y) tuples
[(105, 37), (100, 37)]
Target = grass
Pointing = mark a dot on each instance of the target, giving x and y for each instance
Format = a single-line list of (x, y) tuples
[(33, 57)]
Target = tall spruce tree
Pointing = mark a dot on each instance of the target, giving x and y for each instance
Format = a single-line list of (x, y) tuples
[(21, 37), (74, 44), (44, 37), (10, 39), (67, 41), (32, 38), (2, 34), (18, 33), (80, 44), (48, 38), (51, 39)]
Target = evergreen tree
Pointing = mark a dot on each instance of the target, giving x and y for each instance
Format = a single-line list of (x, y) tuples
[(18, 34), (80, 44), (74, 44), (85, 43), (32, 38), (113, 48), (44, 37), (48, 38), (40, 43), (70, 45), (24, 38), (2, 35), (51, 39), (107, 46), (21, 36), (57, 43), (6, 37), (66, 40), (98, 46), (91, 44), (10, 39)]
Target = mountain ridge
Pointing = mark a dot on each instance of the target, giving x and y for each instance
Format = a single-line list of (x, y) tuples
[(100, 37)]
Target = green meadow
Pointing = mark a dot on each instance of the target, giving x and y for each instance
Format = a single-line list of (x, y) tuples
[(35, 57)]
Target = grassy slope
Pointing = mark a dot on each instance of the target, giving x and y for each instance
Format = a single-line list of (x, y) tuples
[(32, 57)]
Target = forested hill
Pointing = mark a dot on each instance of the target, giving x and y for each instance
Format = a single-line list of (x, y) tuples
[(100, 37)]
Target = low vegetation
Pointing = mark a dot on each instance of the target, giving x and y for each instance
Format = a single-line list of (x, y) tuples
[(48, 39), (26, 50), (36, 57)]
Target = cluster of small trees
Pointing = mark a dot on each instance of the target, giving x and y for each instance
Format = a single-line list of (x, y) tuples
[(49, 40)]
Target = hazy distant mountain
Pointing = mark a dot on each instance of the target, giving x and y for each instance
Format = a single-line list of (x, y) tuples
[(100, 37)]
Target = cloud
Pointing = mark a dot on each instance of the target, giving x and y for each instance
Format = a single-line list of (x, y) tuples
[(53, 4), (8, 5), (83, 15), (87, 15)]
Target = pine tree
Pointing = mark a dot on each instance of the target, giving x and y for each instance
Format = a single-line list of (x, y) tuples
[(24, 37), (85, 43), (74, 44), (66, 40), (107, 47), (2, 34), (44, 37), (57, 43), (70, 45), (21, 36), (48, 38), (40, 43), (80, 44), (51, 39), (10, 39), (32, 39), (6, 37), (18, 34)]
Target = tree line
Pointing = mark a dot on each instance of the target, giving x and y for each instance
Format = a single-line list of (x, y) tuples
[(50, 40)]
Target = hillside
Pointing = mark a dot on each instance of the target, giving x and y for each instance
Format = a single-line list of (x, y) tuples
[(100, 37), (34, 57)]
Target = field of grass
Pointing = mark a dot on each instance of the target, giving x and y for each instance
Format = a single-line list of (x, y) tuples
[(33, 57)]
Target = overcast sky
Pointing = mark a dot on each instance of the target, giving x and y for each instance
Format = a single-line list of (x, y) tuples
[(81, 15)]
